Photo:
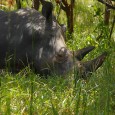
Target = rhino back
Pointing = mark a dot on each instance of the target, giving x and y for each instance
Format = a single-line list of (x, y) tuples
[(18, 30), (21, 25), (27, 33)]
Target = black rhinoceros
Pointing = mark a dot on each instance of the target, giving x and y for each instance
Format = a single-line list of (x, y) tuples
[(28, 37)]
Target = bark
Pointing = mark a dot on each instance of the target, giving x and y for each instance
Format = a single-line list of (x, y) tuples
[(36, 4), (68, 8), (107, 4), (107, 15), (18, 3)]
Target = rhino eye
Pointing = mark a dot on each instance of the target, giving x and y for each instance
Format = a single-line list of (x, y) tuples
[(59, 55), (61, 59), (62, 55)]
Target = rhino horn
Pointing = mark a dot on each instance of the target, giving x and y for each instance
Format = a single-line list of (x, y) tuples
[(79, 54), (93, 65)]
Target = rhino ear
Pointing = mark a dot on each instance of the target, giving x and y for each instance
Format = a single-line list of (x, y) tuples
[(79, 54), (93, 65), (47, 8)]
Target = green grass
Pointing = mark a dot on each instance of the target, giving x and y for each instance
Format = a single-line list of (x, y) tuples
[(27, 93)]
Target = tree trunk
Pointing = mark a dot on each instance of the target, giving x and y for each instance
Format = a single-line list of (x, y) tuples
[(18, 3), (36, 4), (69, 14), (71, 17), (68, 8), (107, 15)]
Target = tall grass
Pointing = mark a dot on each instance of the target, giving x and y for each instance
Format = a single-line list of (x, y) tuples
[(27, 93), (31, 94)]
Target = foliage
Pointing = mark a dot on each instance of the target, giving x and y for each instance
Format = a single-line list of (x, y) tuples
[(27, 93)]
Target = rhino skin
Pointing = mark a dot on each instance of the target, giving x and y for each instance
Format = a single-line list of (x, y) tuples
[(30, 38)]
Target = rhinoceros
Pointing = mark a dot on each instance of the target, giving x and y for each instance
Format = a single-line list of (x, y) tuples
[(31, 38)]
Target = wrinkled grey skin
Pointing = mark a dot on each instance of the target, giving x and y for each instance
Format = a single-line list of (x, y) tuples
[(26, 34), (28, 37)]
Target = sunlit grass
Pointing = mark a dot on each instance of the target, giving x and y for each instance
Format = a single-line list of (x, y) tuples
[(57, 94)]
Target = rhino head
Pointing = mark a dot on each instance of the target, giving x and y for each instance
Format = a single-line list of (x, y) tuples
[(67, 60), (63, 60)]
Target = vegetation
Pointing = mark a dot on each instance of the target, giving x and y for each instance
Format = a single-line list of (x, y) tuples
[(27, 93)]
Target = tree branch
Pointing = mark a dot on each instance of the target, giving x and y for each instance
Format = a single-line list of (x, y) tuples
[(65, 2), (112, 27), (107, 4), (63, 7)]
